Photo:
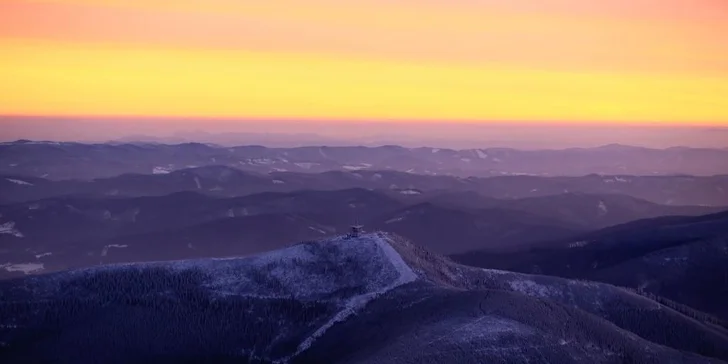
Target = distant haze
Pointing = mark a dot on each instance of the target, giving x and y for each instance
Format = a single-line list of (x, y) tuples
[(295, 133)]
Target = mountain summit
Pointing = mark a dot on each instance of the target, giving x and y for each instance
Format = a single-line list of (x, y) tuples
[(375, 298)]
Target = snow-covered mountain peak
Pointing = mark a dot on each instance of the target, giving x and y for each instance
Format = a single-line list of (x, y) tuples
[(343, 273), (311, 271), (332, 269), (377, 296)]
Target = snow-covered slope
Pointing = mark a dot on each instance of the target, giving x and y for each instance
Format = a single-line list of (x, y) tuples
[(372, 299), (310, 271)]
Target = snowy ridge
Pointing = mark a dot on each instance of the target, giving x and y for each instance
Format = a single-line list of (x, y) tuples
[(313, 271), (356, 303), (476, 316)]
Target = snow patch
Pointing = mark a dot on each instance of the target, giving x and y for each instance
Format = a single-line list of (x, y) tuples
[(197, 182), (602, 208), (435, 150), (26, 268), (617, 180), (317, 230), (394, 219), (278, 182), (105, 250), (466, 160), (494, 271), (38, 256), (481, 154), (161, 170), (134, 214), (579, 244), (468, 330), (9, 228), (261, 161), (376, 176), (305, 165), (531, 288), (19, 182), (410, 192), (323, 154), (353, 168)]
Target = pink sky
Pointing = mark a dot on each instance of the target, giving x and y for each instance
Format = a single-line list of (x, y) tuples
[(583, 62)]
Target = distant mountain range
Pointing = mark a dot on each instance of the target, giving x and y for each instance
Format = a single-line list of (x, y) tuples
[(145, 252), (372, 299), (75, 231), (224, 181), (63, 160)]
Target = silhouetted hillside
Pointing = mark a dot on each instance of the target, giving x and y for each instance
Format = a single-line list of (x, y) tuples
[(449, 231), (682, 258)]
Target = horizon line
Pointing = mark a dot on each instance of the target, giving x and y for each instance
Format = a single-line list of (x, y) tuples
[(354, 145), (475, 122)]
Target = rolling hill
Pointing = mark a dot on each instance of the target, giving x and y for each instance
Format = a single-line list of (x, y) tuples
[(223, 181), (59, 161), (373, 299), (684, 259), (75, 231)]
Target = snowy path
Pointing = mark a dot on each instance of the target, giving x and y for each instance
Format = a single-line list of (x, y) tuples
[(406, 275)]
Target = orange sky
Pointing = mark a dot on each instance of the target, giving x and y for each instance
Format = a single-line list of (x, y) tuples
[(648, 61)]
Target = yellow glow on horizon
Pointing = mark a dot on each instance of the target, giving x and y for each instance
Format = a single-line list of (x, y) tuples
[(74, 79), (635, 61)]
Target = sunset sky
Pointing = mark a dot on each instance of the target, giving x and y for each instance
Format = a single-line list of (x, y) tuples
[(581, 61)]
